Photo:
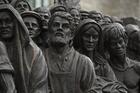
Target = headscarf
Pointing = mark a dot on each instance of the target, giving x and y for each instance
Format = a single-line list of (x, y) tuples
[(21, 40), (82, 28)]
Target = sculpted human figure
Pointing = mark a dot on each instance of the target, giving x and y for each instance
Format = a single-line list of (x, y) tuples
[(133, 47), (95, 15), (45, 15), (6, 72), (26, 58), (89, 42), (84, 14), (126, 70), (76, 17), (21, 5), (33, 22), (67, 68)]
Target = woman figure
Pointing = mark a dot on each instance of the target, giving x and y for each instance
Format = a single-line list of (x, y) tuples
[(88, 41)]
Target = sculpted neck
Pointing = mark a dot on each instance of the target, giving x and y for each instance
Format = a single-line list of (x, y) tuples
[(60, 50), (90, 54), (119, 61)]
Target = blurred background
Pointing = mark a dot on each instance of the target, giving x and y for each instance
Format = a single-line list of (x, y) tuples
[(120, 8)]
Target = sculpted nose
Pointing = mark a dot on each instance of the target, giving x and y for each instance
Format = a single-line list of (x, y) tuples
[(3, 24), (91, 39), (60, 28), (118, 45)]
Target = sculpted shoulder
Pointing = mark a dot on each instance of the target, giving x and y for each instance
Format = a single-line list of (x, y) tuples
[(136, 65), (86, 61)]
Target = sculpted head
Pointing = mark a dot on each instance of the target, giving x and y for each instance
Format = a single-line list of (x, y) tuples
[(115, 39), (60, 33), (95, 15), (76, 15), (22, 6), (88, 35), (45, 16), (32, 21), (84, 14), (6, 25), (133, 32)]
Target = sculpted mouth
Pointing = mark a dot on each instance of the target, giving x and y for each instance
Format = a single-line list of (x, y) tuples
[(59, 34), (4, 31)]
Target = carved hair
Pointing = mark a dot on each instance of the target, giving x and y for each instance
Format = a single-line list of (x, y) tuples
[(116, 31), (61, 14)]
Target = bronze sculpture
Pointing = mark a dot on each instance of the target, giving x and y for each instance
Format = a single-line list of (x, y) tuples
[(67, 68), (45, 16), (6, 72), (125, 69), (26, 58), (133, 33), (33, 22), (21, 5), (89, 42)]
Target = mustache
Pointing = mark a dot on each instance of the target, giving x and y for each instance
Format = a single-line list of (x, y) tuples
[(59, 34)]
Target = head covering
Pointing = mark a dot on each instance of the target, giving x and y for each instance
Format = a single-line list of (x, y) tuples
[(21, 40), (82, 28), (42, 10), (31, 14), (57, 8)]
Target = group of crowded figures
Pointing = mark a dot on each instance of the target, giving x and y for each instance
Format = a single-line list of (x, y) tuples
[(66, 50)]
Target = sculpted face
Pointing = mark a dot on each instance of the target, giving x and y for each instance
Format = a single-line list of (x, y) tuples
[(84, 16), (76, 15), (90, 39), (6, 26), (22, 6), (96, 17), (32, 25), (117, 46), (45, 18), (60, 31)]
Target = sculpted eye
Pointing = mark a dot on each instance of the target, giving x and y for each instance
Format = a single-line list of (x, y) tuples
[(46, 17), (34, 25), (19, 6), (55, 24), (65, 26), (25, 6)]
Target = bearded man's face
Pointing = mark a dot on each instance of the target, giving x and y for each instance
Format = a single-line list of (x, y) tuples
[(60, 33)]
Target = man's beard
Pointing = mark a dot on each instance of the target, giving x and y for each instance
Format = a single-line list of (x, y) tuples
[(58, 42)]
